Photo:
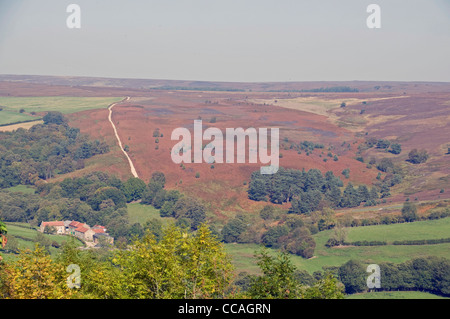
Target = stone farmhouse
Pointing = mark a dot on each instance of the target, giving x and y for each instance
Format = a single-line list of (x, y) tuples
[(91, 235)]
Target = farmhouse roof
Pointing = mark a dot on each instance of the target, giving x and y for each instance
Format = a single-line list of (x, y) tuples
[(82, 229), (75, 224), (52, 224)]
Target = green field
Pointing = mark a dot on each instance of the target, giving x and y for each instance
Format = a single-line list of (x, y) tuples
[(63, 104), (430, 229), (22, 189), (138, 213), (242, 254), (22, 230), (9, 117), (395, 295)]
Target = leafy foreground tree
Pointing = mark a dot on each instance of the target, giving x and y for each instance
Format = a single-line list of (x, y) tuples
[(181, 264), (34, 276), (279, 281), (3, 232)]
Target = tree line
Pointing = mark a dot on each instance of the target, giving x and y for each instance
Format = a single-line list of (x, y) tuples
[(100, 198), (431, 274), (181, 264), (308, 191), (43, 151)]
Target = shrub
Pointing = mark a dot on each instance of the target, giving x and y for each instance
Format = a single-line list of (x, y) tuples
[(417, 157), (395, 148), (54, 118), (409, 212), (268, 212), (383, 144), (346, 173), (385, 165)]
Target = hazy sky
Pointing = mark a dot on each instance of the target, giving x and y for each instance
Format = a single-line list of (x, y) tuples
[(228, 40)]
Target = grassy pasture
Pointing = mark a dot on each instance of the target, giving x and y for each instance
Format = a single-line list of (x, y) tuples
[(63, 104), (8, 117), (430, 229), (138, 213), (22, 189), (242, 254), (395, 295), (25, 237)]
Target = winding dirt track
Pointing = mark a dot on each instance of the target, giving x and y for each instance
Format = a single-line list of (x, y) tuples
[(133, 169)]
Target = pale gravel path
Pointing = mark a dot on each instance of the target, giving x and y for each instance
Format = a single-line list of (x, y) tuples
[(133, 169)]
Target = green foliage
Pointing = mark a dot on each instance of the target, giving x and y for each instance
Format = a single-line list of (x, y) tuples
[(385, 165), (351, 197), (409, 211), (234, 228), (187, 207), (133, 189), (325, 288), (383, 144), (292, 236), (306, 202), (278, 279), (154, 227), (281, 280), (267, 213), (42, 152), (353, 275), (34, 276), (417, 157), (257, 190), (395, 148), (300, 242), (272, 235), (346, 173), (304, 190), (430, 274), (54, 117), (180, 265)]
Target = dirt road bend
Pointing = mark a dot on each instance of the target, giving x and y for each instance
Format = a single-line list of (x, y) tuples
[(133, 169)]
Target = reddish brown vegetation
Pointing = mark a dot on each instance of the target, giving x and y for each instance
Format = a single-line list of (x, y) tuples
[(417, 120)]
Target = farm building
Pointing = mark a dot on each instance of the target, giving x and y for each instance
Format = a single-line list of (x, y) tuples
[(74, 228), (59, 227)]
